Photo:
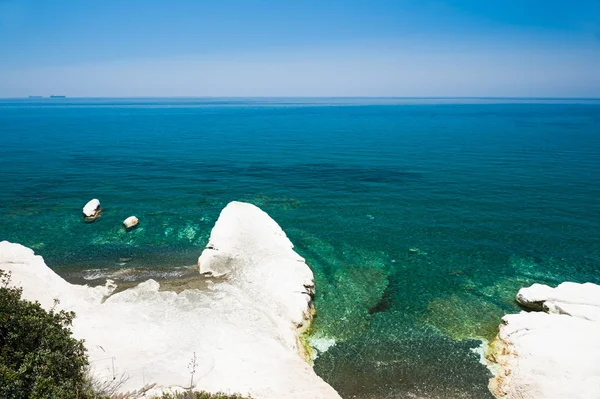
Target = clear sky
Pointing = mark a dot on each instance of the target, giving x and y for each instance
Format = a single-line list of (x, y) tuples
[(109, 48)]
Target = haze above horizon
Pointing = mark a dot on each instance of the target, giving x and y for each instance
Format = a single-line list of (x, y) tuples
[(357, 48)]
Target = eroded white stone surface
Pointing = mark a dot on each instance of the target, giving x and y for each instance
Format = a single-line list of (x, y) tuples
[(581, 300), (131, 222), (92, 210), (255, 254), (242, 329), (553, 354)]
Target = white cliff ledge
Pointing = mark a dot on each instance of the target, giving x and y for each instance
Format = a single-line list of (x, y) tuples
[(243, 330), (553, 355)]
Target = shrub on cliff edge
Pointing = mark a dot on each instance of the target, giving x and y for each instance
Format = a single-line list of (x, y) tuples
[(39, 358)]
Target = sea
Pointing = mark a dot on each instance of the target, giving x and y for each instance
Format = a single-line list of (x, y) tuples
[(421, 218)]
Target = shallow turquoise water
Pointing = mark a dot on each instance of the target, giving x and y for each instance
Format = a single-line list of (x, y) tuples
[(420, 218)]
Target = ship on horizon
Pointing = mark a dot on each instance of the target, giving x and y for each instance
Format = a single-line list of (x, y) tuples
[(54, 96)]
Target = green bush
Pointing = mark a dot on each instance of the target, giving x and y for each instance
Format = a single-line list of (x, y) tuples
[(39, 358)]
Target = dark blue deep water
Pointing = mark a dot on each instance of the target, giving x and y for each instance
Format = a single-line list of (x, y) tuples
[(420, 218)]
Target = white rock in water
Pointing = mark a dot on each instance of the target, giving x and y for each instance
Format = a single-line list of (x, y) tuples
[(92, 210), (554, 355), (130, 222), (242, 329)]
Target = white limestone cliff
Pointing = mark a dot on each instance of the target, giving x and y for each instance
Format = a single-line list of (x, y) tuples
[(255, 254), (553, 354), (242, 330)]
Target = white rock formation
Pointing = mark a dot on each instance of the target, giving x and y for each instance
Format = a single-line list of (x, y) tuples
[(580, 300), (242, 330), (553, 355), (251, 250), (92, 210), (130, 222)]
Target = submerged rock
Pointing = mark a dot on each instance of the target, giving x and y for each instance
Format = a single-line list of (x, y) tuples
[(92, 210), (242, 329), (130, 222), (553, 354), (416, 251), (463, 317)]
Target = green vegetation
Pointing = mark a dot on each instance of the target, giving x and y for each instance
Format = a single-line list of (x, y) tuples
[(39, 359)]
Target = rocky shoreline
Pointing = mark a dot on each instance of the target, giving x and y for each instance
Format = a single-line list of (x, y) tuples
[(236, 326), (552, 352), (241, 334)]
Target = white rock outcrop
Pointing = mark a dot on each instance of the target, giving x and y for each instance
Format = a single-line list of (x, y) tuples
[(553, 354), (131, 222), (254, 253), (92, 210), (242, 330)]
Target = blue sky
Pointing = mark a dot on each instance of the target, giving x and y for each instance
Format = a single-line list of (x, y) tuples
[(529, 48)]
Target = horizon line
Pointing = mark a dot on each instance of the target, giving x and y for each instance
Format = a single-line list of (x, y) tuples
[(65, 97)]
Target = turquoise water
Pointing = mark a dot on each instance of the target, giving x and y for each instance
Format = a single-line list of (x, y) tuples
[(421, 218)]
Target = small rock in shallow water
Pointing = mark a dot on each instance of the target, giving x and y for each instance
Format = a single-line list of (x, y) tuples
[(130, 222), (92, 210), (416, 251)]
